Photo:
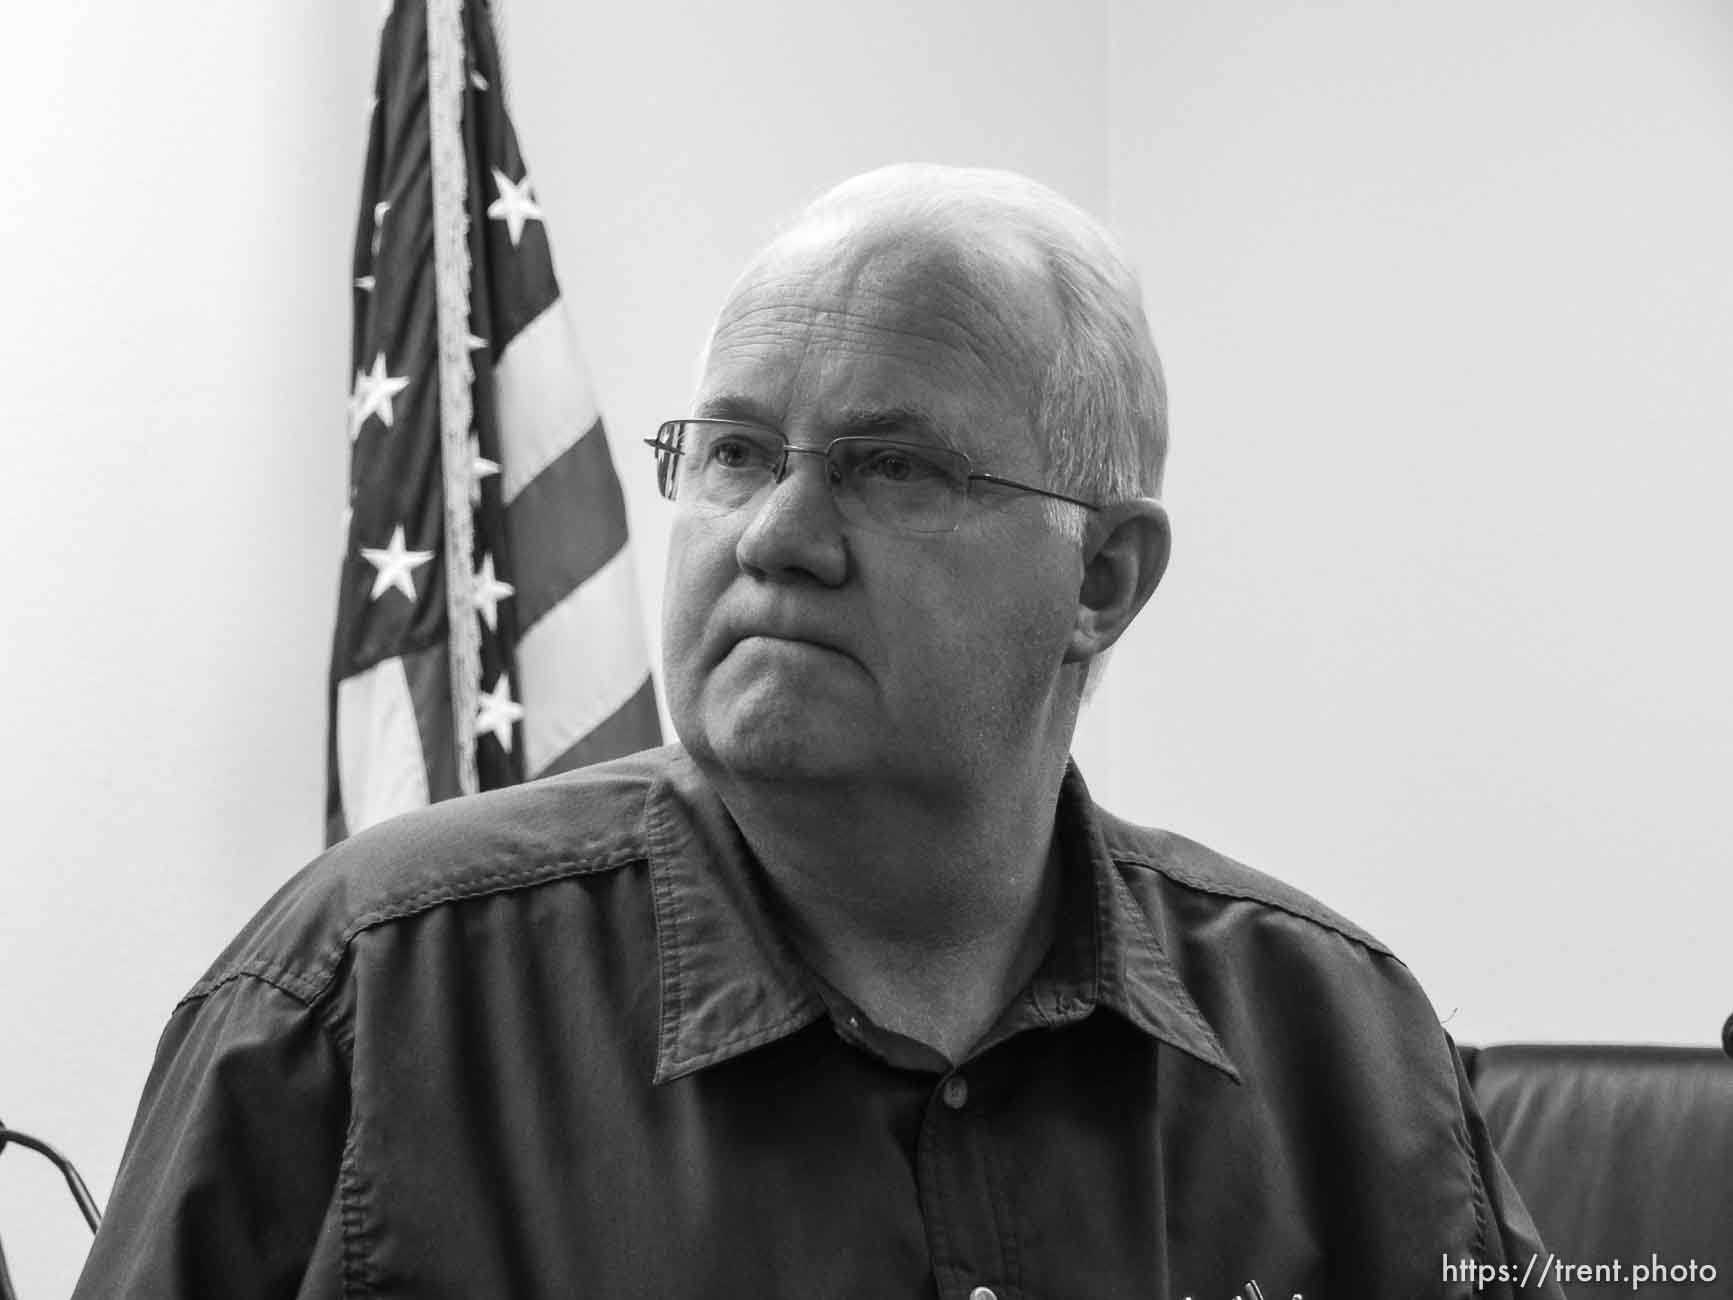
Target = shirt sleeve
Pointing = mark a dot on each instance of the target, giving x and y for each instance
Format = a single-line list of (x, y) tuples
[(229, 1181), (1510, 1243)]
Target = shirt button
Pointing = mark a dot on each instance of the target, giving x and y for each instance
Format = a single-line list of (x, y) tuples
[(956, 1095), (982, 1293)]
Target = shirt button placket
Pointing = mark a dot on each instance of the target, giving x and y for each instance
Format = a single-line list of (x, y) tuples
[(960, 1203)]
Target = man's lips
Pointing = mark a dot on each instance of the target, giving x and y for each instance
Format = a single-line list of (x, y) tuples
[(781, 626), (780, 638), (785, 634)]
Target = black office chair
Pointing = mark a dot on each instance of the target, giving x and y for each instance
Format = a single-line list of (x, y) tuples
[(1623, 1154), (80, 1193)]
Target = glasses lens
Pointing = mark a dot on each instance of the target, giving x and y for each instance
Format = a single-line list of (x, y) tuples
[(723, 466), (666, 445), (906, 486)]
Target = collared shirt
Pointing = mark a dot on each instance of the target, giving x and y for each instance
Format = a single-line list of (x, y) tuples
[(551, 1042)]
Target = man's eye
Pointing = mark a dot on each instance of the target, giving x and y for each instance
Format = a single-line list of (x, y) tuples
[(735, 453), (896, 467)]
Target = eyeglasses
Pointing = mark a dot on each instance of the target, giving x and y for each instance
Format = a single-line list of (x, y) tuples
[(717, 466)]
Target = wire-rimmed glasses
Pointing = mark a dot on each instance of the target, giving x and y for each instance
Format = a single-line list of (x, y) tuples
[(718, 466)]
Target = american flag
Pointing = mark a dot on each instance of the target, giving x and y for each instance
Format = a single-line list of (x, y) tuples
[(488, 624)]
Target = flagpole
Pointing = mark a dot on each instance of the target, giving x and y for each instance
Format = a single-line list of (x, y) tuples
[(446, 81)]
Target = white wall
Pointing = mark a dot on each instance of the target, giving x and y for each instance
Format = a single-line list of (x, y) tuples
[(175, 249), (1445, 294), (179, 201), (1445, 306)]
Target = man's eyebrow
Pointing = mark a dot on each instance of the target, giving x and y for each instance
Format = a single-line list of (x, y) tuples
[(894, 422), (906, 422), (731, 406)]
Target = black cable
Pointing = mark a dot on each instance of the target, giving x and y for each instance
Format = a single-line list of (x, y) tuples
[(6, 1291), (80, 1193)]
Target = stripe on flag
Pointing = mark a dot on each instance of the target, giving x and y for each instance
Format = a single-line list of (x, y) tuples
[(635, 717), (596, 623), (559, 547), (379, 753), (544, 396)]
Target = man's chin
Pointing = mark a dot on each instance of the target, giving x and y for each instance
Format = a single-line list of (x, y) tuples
[(781, 747)]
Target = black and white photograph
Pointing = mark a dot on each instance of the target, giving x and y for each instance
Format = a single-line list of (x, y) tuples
[(915, 651)]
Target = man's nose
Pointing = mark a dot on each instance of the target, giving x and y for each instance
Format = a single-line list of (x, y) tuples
[(795, 528)]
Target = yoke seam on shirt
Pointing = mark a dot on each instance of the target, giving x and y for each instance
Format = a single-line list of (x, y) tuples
[(280, 980), (317, 981), (1203, 886), (266, 972)]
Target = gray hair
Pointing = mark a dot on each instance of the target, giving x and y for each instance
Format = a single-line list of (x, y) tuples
[(1100, 402)]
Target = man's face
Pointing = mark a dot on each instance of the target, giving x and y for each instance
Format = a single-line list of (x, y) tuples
[(802, 646)]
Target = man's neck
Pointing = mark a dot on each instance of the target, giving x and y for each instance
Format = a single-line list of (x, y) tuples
[(929, 915)]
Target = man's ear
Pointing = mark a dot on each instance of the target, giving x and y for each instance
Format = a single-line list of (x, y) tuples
[(1125, 553)]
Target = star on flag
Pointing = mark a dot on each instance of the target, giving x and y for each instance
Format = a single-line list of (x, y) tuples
[(497, 712), (488, 592), (480, 467), (395, 565), (373, 393), (514, 206), (379, 210)]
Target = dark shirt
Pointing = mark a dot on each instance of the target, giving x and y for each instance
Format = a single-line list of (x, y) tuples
[(551, 1042)]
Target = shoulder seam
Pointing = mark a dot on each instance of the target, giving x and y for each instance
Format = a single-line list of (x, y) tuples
[(286, 983), (309, 988), (265, 972), (1191, 881)]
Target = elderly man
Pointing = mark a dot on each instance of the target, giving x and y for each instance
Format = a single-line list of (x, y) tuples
[(854, 992)]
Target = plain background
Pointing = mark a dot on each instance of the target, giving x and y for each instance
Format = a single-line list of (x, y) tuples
[(1445, 295)]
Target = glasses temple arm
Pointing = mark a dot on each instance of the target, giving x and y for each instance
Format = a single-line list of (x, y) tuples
[(1026, 487)]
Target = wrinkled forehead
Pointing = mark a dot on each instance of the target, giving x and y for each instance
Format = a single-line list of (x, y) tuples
[(834, 314), (903, 278)]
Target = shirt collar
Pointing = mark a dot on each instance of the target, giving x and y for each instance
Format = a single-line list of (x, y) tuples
[(1105, 952), (730, 981)]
